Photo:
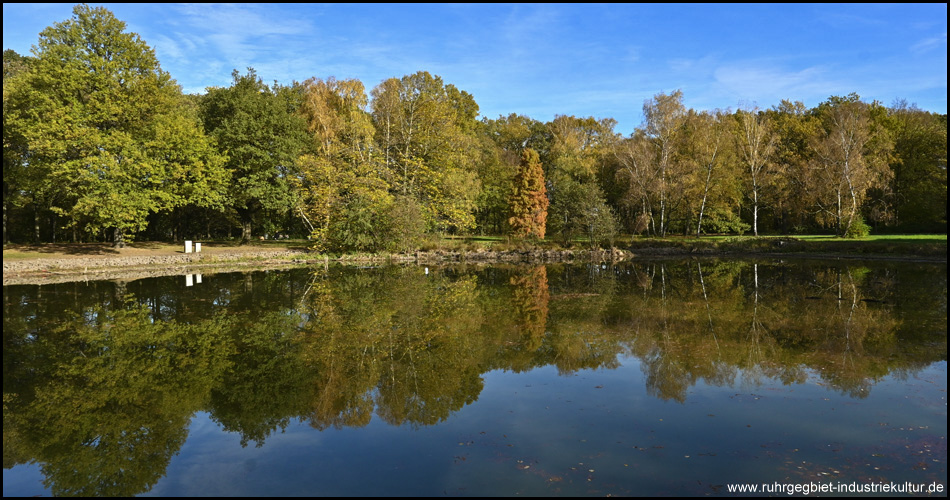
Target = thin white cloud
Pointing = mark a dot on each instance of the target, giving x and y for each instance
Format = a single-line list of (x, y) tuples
[(752, 81), (166, 47), (931, 43), (242, 19), (849, 20)]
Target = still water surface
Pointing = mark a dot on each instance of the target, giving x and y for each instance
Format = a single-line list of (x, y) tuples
[(644, 378)]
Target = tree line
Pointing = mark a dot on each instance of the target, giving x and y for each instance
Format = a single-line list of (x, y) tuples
[(101, 144)]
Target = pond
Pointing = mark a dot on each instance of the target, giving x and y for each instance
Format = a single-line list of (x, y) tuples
[(644, 378)]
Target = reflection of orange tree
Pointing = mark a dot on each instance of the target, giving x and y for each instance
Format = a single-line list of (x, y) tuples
[(88, 395), (530, 302)]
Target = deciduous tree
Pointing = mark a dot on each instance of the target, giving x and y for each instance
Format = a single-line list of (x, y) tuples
[(529, 200), (258, 126), (850, 158), (755, 142), (95, 114)]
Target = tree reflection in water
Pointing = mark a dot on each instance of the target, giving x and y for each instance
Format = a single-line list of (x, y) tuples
[(101, 380)]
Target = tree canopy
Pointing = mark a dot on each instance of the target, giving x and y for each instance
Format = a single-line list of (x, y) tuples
[(105, 135), (100, 144)]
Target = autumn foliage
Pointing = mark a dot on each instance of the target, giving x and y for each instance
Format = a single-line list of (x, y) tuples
[(529, 200)]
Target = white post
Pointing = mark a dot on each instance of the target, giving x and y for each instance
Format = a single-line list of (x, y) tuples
[(188, 280), (197, 247), (187, 246), (198, 276)]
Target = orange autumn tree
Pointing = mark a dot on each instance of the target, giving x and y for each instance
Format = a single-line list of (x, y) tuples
[(529, 200)]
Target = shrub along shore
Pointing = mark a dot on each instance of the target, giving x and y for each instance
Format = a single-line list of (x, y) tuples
[(72, 263)]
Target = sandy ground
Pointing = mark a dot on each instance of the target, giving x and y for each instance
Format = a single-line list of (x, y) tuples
[(53, 263)]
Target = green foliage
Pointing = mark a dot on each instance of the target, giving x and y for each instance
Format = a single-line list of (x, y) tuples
[(118, 392), (105, 130), (403, 225), (100, 143), (724, 221), (579, 211), (858, 228), (357, 226), (920, 169), (426, 131), (258, 127)]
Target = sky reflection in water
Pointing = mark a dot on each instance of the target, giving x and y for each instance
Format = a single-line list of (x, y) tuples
[(647, 378)]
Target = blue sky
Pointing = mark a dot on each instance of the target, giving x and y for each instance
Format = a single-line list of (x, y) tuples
[(542, 60)]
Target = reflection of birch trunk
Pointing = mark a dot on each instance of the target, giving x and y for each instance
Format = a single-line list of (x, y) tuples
[(712, 330), (303, 298), (667, 376), (663, 283), (755, 329), (847, 356), (392, 361)]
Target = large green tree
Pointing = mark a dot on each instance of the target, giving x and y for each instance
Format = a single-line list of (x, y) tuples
[(260, 129), (103, 136), (920, 168), (794, 125), (711, 189), (14, 152), (574, 166), (342, 194)]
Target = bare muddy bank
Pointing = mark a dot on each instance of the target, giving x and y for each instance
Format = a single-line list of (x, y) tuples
[(103, 267), (40, 271)]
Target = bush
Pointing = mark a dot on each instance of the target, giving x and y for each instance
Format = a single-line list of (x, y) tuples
[(724, 221), (403, 225), (580, 211), (858, 228)]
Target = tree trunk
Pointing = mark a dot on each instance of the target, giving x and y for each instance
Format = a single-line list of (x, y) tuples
[(702, 208), (755, 211), (245, 229), (118, 239), (6, 191), (36, 223)]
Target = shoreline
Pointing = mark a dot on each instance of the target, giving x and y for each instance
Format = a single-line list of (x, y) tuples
[(37, 271)]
